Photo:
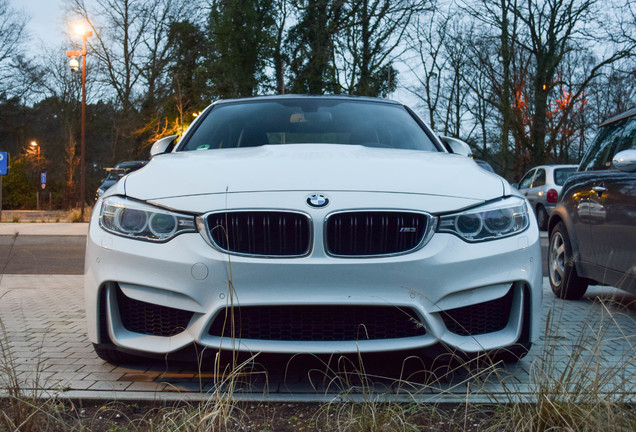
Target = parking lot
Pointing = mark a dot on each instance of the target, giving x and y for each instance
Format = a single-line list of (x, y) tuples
[(45, 349)]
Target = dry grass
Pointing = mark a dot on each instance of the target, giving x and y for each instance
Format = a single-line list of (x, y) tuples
[(579, 387), (573, 387), (75, 215), (24, 409)]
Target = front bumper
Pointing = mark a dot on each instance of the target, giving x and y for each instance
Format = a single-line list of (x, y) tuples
[(187, 274)]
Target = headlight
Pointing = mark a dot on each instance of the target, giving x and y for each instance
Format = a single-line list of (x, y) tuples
[(492, 221), (141, 221)]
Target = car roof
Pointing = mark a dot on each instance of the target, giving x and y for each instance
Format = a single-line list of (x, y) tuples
[(299, 96), (129, 164), (555, 166), (618, 117)]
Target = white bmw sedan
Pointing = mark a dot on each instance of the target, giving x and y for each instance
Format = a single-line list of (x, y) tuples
[(311, 224)]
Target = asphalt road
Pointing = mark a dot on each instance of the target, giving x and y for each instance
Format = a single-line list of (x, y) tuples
[(42, 254), (48, 254)]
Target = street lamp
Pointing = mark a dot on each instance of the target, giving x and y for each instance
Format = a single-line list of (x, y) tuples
[(74, 64), (36, 147)]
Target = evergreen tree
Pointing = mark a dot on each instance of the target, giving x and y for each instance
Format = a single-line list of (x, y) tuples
[(241, 35), (312, 44)]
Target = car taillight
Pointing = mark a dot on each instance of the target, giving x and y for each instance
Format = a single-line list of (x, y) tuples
[(552, 196)]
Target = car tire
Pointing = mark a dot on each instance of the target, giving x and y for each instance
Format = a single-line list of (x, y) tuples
[(542, 218), (564, 280), (115, 357)]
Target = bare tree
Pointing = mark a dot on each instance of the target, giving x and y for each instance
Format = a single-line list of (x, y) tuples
[(371, 42), (119, 28), (156, 50), (130, 39), (495, 52), (427, 40), (12, 35), (456, 51), (557, 28)]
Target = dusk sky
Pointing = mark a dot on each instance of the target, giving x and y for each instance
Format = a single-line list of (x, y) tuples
[(46, 20)]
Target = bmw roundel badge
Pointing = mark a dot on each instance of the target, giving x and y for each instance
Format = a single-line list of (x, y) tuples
[(317, 200)]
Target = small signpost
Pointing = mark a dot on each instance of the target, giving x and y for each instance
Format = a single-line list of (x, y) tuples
[(43, 186), (4, 170)]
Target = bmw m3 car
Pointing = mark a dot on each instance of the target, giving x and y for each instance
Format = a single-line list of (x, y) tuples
[(311, 224)]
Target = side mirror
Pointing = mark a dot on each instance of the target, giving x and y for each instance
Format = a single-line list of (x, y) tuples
[(163, 145), (457, 146), (625, 161)]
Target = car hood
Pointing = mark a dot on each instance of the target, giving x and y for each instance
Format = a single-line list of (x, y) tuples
[(312, 168)]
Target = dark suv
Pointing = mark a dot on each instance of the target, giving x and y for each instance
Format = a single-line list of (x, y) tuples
[(593, 227), (114, 174)]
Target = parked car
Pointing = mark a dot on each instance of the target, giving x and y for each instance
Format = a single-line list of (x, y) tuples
[(455, 145), (116, 173), (541, 186), (593, 227), (309, 224), (485, 165)]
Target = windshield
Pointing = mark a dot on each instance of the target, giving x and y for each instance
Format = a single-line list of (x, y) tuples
[(309, 120), (562, 174), (115, 173)]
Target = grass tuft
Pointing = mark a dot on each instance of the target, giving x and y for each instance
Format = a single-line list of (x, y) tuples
[(579, 386)]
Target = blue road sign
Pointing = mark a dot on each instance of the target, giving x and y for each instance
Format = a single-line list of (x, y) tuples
[(43, 178), (4, 163)]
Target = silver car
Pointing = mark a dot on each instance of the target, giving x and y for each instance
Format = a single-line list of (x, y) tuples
[(542, 186)]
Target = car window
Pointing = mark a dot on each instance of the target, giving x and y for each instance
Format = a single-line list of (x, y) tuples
[(628, 137), (115, 174), (526, 181), (599, 155), (539, 179), (306, 120), (562, 174)]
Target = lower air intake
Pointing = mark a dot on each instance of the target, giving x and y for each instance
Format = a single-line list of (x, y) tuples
[(482, 318), (151, 319), (318, 323)]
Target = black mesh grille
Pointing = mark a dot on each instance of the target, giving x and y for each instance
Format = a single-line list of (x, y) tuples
[(374, 233), (146, 318), (481, 318), (319, 323), (261, 233)]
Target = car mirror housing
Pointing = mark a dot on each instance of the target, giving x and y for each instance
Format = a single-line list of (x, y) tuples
[(163, 145), (625, 161), (457, 146)]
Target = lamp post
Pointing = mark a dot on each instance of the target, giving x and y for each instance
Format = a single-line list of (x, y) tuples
[(85, 34), (36, 146)]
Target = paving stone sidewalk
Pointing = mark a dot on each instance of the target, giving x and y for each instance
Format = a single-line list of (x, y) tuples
[(48, 229), (45, 347)]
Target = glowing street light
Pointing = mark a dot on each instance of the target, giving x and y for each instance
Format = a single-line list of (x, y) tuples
[(36, 148), (82, 31)]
